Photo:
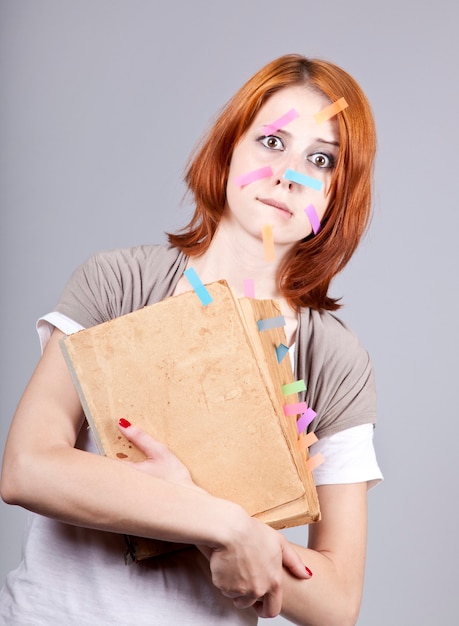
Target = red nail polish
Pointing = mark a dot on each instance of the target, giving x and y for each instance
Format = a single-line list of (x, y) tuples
[(124, 423), (308, 571)]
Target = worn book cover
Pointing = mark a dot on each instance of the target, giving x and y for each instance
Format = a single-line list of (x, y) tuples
[(205, 381)]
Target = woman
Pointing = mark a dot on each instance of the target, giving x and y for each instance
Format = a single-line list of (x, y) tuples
[(266, 160)]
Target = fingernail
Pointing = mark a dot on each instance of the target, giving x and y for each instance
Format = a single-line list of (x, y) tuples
[(124, 423), (308, 571)]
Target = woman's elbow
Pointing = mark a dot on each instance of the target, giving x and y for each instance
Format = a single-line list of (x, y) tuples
[(15, 480), (350, 613)]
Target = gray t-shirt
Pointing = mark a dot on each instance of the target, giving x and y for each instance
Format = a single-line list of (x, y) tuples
[(71, 575), (329, 358)]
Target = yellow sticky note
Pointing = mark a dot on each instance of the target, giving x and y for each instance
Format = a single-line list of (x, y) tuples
[(315, 461), (268, 242), (331, 110), (306, 440)]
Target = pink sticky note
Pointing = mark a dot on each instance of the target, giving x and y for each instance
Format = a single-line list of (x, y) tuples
[(251, 177), (249, 288), (305, 419), (295, 408), (315, 461), (331, 110), (282, 121), (313, 218)]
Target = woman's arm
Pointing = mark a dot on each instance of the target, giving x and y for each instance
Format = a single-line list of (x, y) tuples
[(336, 551), (336, 554), (42, 471)]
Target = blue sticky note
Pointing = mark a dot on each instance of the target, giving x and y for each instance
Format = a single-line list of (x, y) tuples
[(198, 286), (271, 322), (281, 351), (302, 179)]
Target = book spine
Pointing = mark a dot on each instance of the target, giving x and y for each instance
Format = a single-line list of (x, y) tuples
[(81, 395)]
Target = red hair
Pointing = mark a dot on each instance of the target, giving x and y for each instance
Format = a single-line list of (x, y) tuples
[(306, 272)]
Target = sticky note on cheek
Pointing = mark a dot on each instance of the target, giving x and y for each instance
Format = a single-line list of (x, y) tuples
[(313, 218), (251, 177)]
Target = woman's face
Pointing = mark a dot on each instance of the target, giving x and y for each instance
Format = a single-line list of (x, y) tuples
[(301, 145)]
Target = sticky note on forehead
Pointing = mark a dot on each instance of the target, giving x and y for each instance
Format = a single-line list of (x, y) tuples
[(282, 121), (331, 110)]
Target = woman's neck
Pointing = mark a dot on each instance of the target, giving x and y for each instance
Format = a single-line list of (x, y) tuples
[(234, 260)]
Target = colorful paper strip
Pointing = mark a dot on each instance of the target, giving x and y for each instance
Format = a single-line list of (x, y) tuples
[(305, 419), (251, 177), (313, 218), (282, 121), (302, 179), (198, 286), (271, 322), (249, 288), (281, 352), (331, 110), (295, 408), (315, 461), (298, 385), (268, 242), (306, 440)]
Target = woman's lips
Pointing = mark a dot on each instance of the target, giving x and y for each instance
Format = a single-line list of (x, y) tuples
[(282, 208)]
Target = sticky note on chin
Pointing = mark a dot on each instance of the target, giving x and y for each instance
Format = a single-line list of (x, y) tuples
[(268, 242)]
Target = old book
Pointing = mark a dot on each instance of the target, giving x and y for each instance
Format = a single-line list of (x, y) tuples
[(205, 381)]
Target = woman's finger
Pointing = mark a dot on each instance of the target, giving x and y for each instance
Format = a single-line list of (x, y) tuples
[(146, 443)]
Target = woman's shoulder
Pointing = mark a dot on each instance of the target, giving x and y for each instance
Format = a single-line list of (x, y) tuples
[(338, 372), (118, 281), (139, 256), (329, 333)]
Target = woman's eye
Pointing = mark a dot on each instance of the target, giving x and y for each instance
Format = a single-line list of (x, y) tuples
[(272, 142), (325, 161)]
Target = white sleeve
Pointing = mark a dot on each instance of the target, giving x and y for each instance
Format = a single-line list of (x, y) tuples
[(52, 320), (349, 458)]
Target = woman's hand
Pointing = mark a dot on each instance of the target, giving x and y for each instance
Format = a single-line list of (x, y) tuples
[(249, 567), (160, 461)]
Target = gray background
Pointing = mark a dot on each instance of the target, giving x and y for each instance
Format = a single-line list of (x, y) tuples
[(101, 103)]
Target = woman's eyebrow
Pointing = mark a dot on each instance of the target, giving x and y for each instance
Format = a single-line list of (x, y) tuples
[(289, 135), (331, 142)]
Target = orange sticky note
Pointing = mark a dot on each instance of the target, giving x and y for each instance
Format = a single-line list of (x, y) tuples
[(315, 461), (331, 110), (268, 242), (305, 441)]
